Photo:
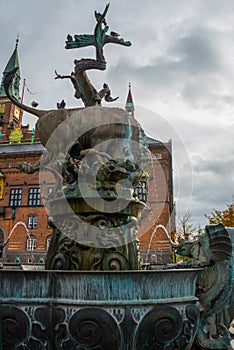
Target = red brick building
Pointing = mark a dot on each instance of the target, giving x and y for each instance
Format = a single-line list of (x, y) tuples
[(20, 194), (156, 190)]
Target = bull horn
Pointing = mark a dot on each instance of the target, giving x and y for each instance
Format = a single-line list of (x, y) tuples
[(7, 84)]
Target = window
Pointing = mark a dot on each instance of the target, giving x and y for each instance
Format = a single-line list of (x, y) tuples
[(15, 197), (141, 191), (1, 186), (1, 241), (31, 244), (31, 260), (48, 242), (1, 121), (32, 221), (158, 156), (41, 260), (1, 235), (50, 189), (34, 196), (17, 259)]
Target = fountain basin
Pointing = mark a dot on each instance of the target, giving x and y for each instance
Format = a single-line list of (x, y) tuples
[(127, 310), (94, 205)]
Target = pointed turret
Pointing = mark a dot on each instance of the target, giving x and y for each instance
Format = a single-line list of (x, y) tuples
[(129, 106), (12, 63)]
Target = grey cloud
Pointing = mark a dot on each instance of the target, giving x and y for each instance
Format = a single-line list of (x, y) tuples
[(217, 165), (197, 52), (181, 56), (191, 66), (213, 182)]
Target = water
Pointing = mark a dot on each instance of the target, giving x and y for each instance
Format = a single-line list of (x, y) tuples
[(129, 130), (128, 137), (16, 225), (152, 237)]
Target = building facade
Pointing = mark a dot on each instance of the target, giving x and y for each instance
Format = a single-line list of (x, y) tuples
[(23, 217), (157, 221)]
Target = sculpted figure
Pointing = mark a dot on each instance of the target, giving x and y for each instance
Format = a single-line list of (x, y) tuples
[(97, 156)]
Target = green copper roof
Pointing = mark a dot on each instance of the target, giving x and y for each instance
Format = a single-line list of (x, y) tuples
[(12, 63), (129, 106)]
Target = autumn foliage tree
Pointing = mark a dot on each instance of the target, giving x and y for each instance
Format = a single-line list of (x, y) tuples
[(226, 217)]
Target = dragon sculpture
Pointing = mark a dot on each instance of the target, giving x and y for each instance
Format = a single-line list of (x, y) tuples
[(84, 90), (213, 252), (79, 78), (94, 152)]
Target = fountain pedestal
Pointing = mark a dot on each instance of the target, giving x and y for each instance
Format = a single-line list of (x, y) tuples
[(94, 211)]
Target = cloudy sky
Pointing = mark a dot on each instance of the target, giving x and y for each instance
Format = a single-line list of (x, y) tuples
[(180, 65)]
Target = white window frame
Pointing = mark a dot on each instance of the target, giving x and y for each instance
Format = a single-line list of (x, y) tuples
[(34, 196), (31, 244), (141, 191), (15, 197), (32, 221), (50, 189), (48, 243)]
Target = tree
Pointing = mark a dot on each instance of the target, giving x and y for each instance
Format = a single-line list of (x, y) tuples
[(184, 235), (226, 217), (185, 228)]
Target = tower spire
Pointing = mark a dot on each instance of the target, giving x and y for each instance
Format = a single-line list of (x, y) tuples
[(12, 63), (129, 106), (17, 41)]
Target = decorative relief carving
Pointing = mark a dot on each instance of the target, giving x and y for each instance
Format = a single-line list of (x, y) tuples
[(66, 328), (138, 313), (163, 328), (73, 251), (14, 326), (118, 314), (94, 329)]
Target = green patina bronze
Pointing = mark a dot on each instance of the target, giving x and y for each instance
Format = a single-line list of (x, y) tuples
[(79, 78), (103, 239), (97, 156)]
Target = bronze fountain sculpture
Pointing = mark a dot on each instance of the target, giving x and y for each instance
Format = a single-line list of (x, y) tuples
[(85, 236), (97, 155)]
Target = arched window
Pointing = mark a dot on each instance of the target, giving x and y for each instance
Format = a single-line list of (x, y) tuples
[(48, 242), (31, 260)]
